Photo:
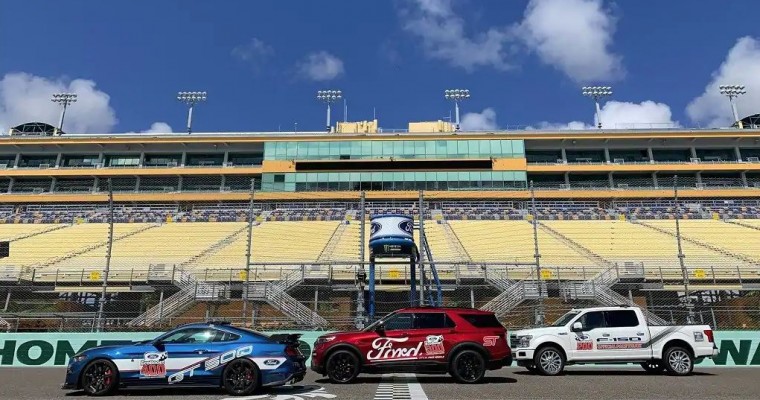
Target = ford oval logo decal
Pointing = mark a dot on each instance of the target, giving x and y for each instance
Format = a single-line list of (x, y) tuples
[(271, 362), (406, 226), (375, 228)]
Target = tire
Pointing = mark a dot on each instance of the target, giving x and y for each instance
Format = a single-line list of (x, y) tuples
[(342, 367), (468, 366), (653, 367), (678, 361), (100, 378), (240, 377), (549, 361)]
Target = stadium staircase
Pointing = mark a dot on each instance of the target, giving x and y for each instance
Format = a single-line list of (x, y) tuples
[(214, 248), (190, 291), (94, 246), (276, 295), (720, 250), (327, 252), (734, 222), (32, 234), (454, 243), (598, 288)]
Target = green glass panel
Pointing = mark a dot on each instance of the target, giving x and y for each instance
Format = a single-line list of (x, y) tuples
[(366, 149), (484, 147), (518, 148), (495, 147), (462, 148), (472, 148)]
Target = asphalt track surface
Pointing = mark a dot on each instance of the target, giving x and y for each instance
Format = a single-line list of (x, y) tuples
[(508, 383)]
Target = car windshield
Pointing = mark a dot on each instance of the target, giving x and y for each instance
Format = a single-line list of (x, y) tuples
[(373, 325), (563, 320)]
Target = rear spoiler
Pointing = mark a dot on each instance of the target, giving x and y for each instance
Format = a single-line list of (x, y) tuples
[(286, 338)]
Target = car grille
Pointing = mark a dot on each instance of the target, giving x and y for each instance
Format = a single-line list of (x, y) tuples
[(513, 342)]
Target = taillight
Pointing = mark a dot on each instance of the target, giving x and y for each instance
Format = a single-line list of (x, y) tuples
[(293, 351), (709, 335)]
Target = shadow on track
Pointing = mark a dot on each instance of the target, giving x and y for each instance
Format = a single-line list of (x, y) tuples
[(609, 373), (205, 391), (376, 379)]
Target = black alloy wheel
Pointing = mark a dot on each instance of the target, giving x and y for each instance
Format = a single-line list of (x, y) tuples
[(240, 377), (342, 366), (468, 366), (100, 378)]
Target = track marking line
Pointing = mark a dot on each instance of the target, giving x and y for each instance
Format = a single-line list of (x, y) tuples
[(400, 387)]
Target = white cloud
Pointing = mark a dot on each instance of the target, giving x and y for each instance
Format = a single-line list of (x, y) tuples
[(482, 121), (741, 67), (573, 36), (622, 115), (444, 37), (321, 66), (559, 126), (159, 127), (26, 98), (255, 51)]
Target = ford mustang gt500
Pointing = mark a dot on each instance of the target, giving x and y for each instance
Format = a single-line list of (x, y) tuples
[(203, 354)]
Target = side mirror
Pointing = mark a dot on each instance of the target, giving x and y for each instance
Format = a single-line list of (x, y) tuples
[(577, 327), (380, 328)]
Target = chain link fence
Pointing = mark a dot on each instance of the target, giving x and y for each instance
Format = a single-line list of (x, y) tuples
[(296, 265)]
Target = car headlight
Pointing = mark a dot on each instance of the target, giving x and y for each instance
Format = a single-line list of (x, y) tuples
[(525, 340), (78, 357), (324, 339)]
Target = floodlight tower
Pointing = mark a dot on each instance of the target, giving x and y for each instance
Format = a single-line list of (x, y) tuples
[(191, 99), (732, 92), (64, 99), (329, 97), (456, 95), (596, 93)]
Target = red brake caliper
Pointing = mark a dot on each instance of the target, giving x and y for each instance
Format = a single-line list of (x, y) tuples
[(108, 376)]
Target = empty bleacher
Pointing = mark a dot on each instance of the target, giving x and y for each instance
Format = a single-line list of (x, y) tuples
[(622, 241)]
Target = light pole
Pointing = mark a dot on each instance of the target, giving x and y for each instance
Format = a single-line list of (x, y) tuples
[(733, 91), (191, 98), (456, 95), (596, 93), (329, 97), (63, 99)]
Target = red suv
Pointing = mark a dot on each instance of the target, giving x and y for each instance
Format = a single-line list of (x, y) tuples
[(460, 341)]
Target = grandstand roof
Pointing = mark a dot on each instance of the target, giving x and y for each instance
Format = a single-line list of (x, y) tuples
[(229, 137)]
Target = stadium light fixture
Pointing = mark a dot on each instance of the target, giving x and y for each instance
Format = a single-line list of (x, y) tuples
[(191, 99), (456, 95), (732, 92), (64, 99), (596, 93), (329, 97)]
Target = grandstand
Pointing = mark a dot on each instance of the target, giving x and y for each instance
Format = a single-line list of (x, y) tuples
[(598, 226)]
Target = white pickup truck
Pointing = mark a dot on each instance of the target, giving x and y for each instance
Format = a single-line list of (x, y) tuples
[(612, 335)]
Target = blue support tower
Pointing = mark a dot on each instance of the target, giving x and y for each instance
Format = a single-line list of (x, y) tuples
[(391, 236)]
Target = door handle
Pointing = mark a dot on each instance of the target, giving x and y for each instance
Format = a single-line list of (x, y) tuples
[(200, 351), (606, 334)]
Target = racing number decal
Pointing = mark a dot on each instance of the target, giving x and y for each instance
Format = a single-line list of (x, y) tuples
[(434, 345), (583, 342), (211, 363)]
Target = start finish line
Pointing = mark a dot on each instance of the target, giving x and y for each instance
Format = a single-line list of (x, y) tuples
[(736, 348)]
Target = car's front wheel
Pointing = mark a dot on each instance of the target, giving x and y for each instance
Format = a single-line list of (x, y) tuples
[(240, 377), (468, 366), (549, 361), (100, 378), (342, 366)]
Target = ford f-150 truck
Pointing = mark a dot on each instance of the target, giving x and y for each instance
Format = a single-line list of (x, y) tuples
[(612, 335)]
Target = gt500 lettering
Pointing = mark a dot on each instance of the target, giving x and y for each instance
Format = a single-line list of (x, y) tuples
[(211, 363)]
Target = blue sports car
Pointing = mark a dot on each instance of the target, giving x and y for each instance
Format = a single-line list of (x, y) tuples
[(203, 354)]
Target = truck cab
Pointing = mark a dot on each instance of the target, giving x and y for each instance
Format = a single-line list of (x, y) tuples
[(612, 335)]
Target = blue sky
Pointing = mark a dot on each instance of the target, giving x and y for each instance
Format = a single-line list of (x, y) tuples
[(262, 61)]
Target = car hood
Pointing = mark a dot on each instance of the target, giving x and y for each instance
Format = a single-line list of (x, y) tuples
[(536, 332)]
